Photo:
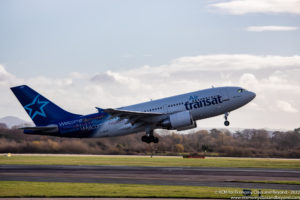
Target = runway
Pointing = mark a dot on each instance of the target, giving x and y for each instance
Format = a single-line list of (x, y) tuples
[(188, 176)]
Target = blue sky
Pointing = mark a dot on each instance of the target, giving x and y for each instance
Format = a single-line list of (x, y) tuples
[(94, 36), (63, 45)]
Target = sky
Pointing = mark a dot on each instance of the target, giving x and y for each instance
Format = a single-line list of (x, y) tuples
[(83, 54)]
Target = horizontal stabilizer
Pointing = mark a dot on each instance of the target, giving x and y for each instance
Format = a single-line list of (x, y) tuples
[(40, 129)]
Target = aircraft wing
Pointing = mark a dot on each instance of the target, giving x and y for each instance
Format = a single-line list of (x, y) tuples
[(132, 116)]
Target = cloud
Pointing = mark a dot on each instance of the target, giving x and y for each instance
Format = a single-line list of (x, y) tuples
[(271, 28), (106, 77), (229, 62), (4, 75), (241, 7), (6, 78), (273, 86), (249, 81), (286, 107)]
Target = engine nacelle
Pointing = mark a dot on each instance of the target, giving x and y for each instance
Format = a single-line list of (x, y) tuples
[(180, 121), (194, 125)]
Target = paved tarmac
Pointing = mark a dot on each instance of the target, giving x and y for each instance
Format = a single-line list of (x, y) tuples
[(188, 176), (105, 199)]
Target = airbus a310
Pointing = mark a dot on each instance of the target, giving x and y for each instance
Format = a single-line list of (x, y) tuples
[(173, 113)]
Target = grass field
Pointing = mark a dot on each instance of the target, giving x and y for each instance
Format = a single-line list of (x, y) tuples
[(147, 161), (48, 189)]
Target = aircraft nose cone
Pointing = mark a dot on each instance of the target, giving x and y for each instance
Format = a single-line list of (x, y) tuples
[(252, 95)]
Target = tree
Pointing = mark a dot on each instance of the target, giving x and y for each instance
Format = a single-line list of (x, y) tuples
[(179, 148)]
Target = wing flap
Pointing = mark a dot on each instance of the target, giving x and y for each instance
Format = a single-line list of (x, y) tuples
[(132, 116), (120, 113)]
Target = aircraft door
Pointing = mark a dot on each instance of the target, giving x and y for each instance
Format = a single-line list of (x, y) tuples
[(165, 108), (224, 94)]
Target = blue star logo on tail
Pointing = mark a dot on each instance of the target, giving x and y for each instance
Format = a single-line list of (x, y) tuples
[(36, 107)]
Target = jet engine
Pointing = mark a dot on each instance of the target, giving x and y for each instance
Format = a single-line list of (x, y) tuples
[(179, 121)]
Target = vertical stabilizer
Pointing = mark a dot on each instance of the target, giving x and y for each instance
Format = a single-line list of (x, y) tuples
[(42, 111)]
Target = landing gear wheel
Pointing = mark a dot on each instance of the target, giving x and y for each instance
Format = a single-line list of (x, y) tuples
[(145, 138), (226, 123), (148, 138), (151, 138)]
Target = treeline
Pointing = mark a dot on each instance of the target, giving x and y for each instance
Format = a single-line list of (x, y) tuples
[(215, 142)]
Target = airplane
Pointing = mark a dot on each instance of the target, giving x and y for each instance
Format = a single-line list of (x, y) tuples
[(173, 113)]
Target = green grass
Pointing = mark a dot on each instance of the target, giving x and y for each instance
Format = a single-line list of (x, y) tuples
[(51, 189), (147, 161)]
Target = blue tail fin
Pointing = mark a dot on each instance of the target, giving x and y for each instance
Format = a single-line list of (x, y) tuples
[(42, 111)]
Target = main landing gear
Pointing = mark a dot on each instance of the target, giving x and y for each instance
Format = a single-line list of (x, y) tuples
[(148, 138), (226, 123)]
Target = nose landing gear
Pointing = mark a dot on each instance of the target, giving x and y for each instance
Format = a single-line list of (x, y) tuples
[(226, 123), (149, 137)]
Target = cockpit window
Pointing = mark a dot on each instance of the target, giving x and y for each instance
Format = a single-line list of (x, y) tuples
[(241, 90)]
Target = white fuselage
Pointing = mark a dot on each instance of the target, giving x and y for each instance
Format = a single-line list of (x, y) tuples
[(201, 104)]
